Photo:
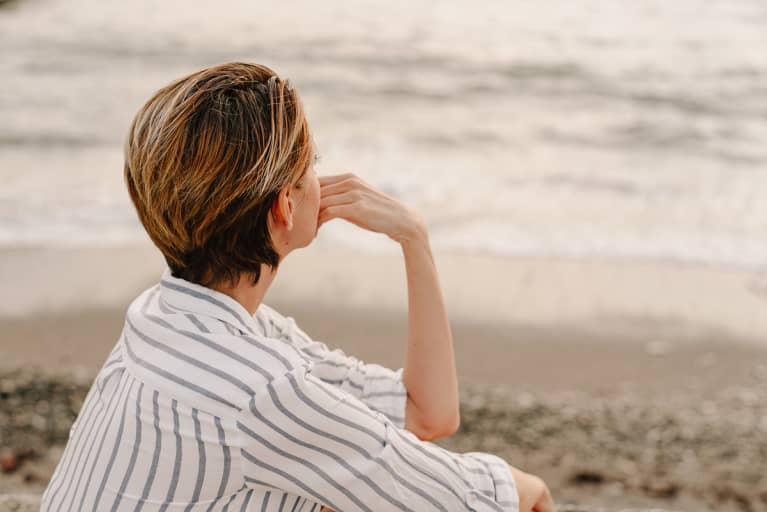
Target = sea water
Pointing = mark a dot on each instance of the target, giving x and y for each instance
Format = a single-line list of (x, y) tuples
[(588, 129)]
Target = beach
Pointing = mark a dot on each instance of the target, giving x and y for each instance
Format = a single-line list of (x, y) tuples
[(592, 176), (583, 373)]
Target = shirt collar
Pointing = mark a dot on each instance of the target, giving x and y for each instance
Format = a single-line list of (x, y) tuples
[(188, 296)]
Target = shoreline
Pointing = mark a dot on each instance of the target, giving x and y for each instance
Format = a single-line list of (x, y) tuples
[(603, 296)]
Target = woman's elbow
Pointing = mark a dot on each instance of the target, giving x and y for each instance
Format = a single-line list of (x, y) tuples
[(452, 425), (428, 425), (445, 428)]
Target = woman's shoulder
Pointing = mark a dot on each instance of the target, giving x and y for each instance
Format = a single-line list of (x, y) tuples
[(268, 311), (273, 322)]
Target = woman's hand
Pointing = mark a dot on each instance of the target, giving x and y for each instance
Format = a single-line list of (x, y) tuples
[(347, 197), (534, 495)]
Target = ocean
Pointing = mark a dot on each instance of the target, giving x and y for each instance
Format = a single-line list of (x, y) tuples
[(591, 129)]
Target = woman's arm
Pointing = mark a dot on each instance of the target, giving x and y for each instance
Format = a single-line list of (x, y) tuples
[(432, 409), (305, 437), (429, 373)]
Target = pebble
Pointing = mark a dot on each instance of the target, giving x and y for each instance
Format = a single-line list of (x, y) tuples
[(679, 445), (8, 460), (19, 503)]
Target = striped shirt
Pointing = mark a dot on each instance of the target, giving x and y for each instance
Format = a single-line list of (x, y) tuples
[(201, 406)]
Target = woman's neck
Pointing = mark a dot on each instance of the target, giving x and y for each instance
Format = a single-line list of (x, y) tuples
[(248, 294)]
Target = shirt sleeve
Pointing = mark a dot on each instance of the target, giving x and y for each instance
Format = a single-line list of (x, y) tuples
[(379, 387), (309, 438)]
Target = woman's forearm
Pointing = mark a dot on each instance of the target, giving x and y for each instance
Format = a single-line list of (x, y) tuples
[(429, 373)]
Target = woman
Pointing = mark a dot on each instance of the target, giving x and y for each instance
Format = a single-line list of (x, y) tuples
[(212, 400)]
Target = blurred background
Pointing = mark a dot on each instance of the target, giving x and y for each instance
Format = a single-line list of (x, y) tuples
[(592, 174)]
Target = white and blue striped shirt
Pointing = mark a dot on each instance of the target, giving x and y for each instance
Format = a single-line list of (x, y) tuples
[(201, 406)]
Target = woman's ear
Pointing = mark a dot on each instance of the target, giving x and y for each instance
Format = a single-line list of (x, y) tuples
[(282, 209)]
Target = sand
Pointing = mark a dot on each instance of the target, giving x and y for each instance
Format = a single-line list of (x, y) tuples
[(676, 452), (661, 338), (608, 296), (524, 323)]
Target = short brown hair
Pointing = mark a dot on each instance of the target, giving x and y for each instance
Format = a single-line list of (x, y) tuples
[(206, 157)]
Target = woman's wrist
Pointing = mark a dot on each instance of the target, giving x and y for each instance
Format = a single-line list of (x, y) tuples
[(413, 231)]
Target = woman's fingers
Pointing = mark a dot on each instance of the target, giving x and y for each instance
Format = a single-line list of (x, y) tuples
[(338, 186), (336, 191), (534, 495), (335, 178), (350, 196), (545, 504), (330, 205), (331, 212)]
